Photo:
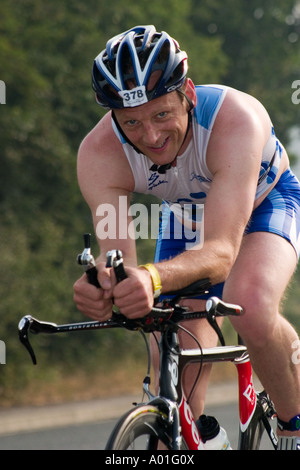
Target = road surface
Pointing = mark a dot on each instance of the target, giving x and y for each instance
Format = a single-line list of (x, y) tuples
[(86, 426)]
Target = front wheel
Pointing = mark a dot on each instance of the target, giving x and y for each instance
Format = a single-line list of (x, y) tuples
[(144, 427)]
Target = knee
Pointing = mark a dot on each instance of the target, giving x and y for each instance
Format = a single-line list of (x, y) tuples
[(257, 324)]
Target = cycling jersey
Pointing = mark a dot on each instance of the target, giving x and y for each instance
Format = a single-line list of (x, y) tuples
[(190, 179)]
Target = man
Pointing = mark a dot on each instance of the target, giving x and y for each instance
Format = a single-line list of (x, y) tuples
[(211, 145)]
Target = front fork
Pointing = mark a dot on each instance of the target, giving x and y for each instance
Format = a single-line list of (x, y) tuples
[(254, 409), (247, 405), (247, 395)]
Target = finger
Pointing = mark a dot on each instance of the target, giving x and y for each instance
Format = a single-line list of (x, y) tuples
[(101, 310), (83, 289), (138, 308), (138, 311), (104, 278)]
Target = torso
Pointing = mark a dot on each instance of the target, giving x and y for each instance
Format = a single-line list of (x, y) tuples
[(190, 179)]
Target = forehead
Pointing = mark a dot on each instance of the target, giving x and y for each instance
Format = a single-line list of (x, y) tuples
[(168, 101)]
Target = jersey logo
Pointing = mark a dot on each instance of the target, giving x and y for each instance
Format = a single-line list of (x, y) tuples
[(154, 181)]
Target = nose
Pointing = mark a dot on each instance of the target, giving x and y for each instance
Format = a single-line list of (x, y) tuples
[(151, 134)]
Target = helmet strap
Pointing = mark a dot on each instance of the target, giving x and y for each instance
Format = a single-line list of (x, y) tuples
[(123, 133)]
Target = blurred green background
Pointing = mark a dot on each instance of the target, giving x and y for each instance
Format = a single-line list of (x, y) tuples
[(46, 55)]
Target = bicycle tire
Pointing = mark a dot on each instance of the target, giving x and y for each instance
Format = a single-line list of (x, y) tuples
[(141, 428), (251, 440)]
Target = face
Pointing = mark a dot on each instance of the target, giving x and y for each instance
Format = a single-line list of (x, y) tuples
[(157, 128)]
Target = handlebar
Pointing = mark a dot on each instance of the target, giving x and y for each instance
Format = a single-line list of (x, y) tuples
[(159, 319)]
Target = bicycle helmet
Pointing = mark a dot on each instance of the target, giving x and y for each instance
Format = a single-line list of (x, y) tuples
[(123, 73)]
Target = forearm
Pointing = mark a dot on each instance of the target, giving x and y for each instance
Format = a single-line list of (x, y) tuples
[(212, 262), (107, 243)]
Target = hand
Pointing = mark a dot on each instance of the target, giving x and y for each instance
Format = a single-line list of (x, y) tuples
[(134, 295), (93, 302)]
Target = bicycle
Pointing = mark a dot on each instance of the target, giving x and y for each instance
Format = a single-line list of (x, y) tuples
[(167, 418)]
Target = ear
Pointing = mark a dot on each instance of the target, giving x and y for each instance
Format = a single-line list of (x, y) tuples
[(190, 91)]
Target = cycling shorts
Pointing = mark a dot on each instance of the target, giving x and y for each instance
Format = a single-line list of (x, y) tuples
[(278, 213)]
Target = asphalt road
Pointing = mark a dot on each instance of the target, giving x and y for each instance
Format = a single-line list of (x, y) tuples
[(90, 436), (86, 426)]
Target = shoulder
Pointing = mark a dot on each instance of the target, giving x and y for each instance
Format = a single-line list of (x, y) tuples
[(220, 106), (242, 128), (100, 139), (103, 170), (101, 151), (209, 99), (240, 110)]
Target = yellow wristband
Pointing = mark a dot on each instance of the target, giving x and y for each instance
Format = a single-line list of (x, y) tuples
[(156, 281)]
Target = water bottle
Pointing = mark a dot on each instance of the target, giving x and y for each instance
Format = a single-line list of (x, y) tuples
[(213, 436)]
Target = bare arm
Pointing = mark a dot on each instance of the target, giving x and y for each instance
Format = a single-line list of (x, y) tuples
[(234, 155), (104, 176)]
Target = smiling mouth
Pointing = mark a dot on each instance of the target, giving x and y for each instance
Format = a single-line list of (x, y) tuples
[(161, 146)]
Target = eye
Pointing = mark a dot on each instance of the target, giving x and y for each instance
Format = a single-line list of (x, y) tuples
[(162, 114), (131, 123)]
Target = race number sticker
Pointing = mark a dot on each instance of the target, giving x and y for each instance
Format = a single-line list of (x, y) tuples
[(134, 97)]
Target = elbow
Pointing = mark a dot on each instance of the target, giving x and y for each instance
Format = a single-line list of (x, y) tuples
[(224, 261)]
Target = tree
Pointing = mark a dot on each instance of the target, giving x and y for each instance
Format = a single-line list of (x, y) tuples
[(261, 40), (46, 55)]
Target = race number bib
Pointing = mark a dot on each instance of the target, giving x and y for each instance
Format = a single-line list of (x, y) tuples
[(134, 97)]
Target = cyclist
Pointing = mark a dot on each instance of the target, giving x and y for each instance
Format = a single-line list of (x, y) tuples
[(210, 145)]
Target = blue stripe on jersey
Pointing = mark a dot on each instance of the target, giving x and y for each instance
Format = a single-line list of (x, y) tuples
[(208, 98), (279, 212)]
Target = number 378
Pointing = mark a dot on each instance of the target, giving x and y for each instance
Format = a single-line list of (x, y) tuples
[(133, 95)]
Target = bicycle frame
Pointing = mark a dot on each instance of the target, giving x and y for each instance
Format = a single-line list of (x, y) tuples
[(172, 397), (254, 408)]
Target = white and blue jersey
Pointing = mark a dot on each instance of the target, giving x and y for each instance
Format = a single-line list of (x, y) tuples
[(189, 181)]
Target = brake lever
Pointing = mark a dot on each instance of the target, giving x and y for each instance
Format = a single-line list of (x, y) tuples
[(87, 260), (28, 323), (216, 307), (23, 327), (114, 259)]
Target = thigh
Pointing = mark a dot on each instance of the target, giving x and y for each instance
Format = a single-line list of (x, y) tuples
[(279, 212), (269, 251), (259, 278)]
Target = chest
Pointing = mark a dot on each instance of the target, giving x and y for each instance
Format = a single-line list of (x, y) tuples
[(186, 182)]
